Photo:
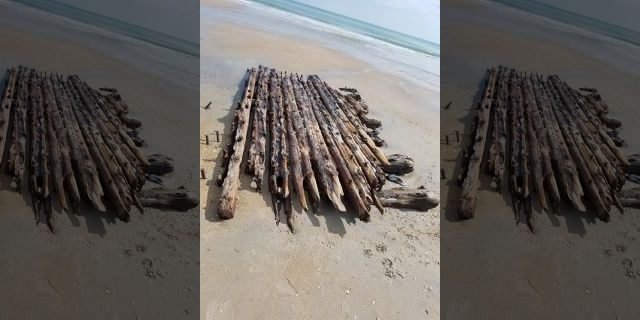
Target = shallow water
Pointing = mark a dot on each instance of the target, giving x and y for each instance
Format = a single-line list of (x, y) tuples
[(418, 67), (621, 31), (116, 25)]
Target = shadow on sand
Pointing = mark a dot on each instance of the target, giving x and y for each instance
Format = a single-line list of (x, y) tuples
[(94, 220)]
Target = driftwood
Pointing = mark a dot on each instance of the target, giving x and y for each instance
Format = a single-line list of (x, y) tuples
[(68, 142), (170, 199), (257, 151), (350, 109), (497, 152), (5, 109), (562, 162), (404, 198), (131, 123), (590, 90), (226, 152), (309, 181), (296, 156), (471, 181), (631, 203), (229, 199), (543, 143), (557, 142), (17, 150), (350, 181), (134, 135), (398, 164), (371, 123), (323, 166), (634, 164), (630, 198), (317, 143), (109, 90), (159, 165)]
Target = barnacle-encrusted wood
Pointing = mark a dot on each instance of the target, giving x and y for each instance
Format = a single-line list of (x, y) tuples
[(550, 141), (63, 141), (316, 141)]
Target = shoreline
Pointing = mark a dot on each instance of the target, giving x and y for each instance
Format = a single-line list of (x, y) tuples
[(115, 26), (422, 68), (146, 57)]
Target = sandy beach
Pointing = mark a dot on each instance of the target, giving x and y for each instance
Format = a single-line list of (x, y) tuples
[(334, 266), (94, 266), (575, 266)]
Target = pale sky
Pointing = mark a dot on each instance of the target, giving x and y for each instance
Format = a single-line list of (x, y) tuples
[(418, 18)]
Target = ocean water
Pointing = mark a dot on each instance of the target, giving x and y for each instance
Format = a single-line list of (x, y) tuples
[(571, 17), (415, 60), (357, 26), (115, 25)]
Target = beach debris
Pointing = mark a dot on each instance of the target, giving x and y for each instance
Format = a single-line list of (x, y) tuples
[(614, 134), (155, 179), (481, 128), (406, 198), (130, 123), (70, 142), (398, 164), (633, 178), (372, 123), (352, 93), (170, 199), (318, 145), (395, 179), (109, 90), (350, 90), (559, 146), (207, 106), (8, 97), (159, 164), (634, 164), (232, 155), (630, 197), (378, 141), (587, 89), (134, 135)]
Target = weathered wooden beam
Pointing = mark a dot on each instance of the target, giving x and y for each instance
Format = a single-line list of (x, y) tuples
[(405, 198), (171, 199), (469, 196), (229, 200), (6, 103)]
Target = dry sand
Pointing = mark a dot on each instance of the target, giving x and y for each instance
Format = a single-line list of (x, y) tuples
[(575, 266), (335, 266), (96, 267)]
